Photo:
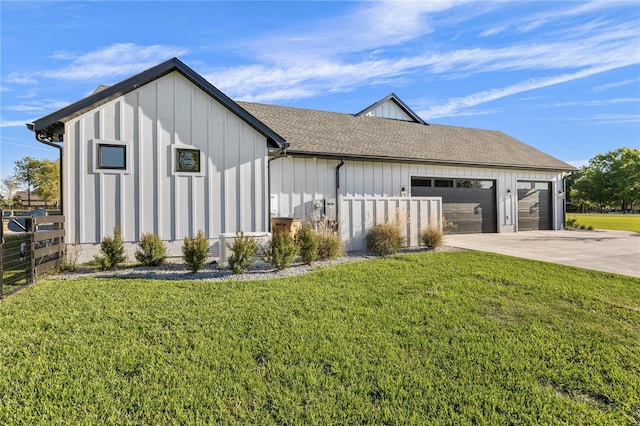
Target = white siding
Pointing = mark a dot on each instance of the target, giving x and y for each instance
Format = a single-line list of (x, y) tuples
[(386, 179), (229, 196), (390, 109), (360, 214)]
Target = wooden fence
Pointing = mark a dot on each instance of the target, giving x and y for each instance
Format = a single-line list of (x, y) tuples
[(36, 248)]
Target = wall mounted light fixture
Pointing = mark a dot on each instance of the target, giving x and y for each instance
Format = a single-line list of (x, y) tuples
[(561, 194), (508, 193)]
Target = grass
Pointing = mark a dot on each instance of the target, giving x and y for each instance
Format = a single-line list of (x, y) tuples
[(428, 338), (620, 222)]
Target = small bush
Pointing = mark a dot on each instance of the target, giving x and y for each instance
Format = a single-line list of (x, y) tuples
[(307, 242), (151, 250), (281, 251), (571, 222), (195, 251), (431, 237), (112, 250), (329, 246), (589, 228), (243, 250), (385, 239), (583, 226)]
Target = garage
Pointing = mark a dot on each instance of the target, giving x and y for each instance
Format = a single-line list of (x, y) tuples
[(534, 206), (469, 204)]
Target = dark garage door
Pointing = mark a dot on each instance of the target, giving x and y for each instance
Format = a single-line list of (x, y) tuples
[(470, 204), (534, 206)]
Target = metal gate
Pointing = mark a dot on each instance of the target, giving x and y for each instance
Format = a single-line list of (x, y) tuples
[(29, 246)]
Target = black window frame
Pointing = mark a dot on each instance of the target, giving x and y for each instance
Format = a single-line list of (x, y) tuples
[(112, 145), (180, 169)]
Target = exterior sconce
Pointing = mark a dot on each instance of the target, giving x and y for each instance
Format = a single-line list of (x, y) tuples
[(561, 194), (403, 191), (508, 193)]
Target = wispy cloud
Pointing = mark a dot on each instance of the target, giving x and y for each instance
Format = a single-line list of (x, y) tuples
[(455, 105), (14, 123), (37, 106), (602, 102), (344, 53), (112, 61), (604, 87)]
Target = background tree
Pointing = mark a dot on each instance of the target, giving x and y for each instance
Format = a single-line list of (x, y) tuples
[(9, 187), (25, 172), (610, 180), (47, 180)]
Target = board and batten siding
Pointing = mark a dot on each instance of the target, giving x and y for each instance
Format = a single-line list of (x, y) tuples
[(297, 183), (229, 195), (390, 110)]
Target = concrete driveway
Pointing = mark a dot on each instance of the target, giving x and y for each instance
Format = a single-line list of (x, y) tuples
[(609, 251)]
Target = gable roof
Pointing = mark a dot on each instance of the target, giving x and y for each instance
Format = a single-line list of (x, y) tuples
[(336, 135), (52, 125), (397, 101)]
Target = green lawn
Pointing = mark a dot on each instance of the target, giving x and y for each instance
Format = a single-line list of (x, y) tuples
[(428, 338), (620, 222)]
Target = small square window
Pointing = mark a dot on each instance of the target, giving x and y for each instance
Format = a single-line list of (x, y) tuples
[(187, 160), (112, 156), (464, 183)]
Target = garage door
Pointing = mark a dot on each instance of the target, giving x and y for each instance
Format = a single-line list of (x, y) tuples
[(534, 206), (470, 204)]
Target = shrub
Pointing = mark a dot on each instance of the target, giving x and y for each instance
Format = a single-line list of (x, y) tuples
[(329, 246), (385, 239), (589, 228), (307, 242), (112, 250), (243, 250), (151, 250), (195, 251), (571, 222), (583, 226), (431, 237), (281, 251)]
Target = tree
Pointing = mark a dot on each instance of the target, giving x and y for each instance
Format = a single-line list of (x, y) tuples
[(47, 180), (25, 172), (611, 179), (9, 187)]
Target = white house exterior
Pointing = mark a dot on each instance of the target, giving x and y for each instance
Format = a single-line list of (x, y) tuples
[(165, 152), (152, 118)]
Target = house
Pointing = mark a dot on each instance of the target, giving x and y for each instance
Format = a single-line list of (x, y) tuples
[(166, 152)]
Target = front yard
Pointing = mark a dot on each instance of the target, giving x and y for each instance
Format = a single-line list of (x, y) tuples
[(435, 337)]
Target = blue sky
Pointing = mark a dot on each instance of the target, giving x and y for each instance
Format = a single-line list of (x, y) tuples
[(562, 76)]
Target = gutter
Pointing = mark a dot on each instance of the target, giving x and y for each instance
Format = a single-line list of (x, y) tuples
[(337, 227), (42, 138), (281, 153)]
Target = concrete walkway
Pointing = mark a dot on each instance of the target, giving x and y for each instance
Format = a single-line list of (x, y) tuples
[(609, 251)]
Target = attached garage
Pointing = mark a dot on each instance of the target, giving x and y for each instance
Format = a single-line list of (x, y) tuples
[(534, 206), (469, 204)]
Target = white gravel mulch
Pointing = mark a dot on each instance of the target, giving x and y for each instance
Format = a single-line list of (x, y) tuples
[(174, 269)]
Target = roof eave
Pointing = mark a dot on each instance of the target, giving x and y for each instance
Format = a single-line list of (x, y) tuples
[(358, 157), (54, 122)]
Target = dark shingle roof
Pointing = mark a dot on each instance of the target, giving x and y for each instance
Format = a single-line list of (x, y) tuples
[(331, 134)]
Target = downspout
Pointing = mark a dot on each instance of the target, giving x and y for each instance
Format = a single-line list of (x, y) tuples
[(43, 139), (280, 154), (337, 227)]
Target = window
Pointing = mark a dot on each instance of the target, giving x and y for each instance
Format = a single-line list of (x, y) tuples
[(187, 160), (415, 181), (484, 184), (464, 183), (112, 156), (443, 183)]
